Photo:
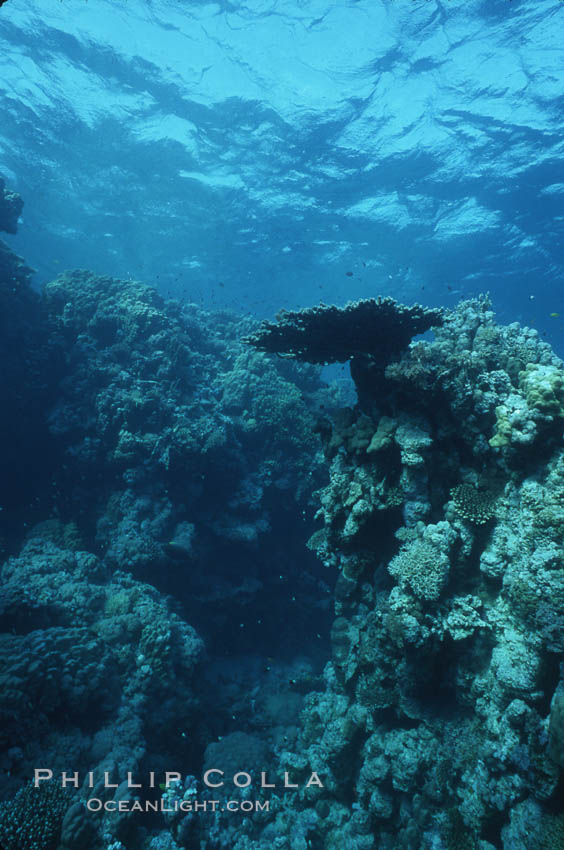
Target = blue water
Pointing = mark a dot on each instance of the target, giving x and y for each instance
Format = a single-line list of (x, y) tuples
[(270, 154)]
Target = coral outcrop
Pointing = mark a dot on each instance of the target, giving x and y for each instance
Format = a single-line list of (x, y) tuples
[(34, 818), (440, 719), (154, 527), (187, 447)]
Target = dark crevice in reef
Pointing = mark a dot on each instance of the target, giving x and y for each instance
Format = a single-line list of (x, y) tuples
[(555, 804), (549, 677), (492, 829)]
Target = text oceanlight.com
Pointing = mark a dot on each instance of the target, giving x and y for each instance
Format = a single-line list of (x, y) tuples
[(94, 804)]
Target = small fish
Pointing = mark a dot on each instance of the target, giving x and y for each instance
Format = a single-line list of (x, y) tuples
[(554, 315), (349, 274), (177, 550)]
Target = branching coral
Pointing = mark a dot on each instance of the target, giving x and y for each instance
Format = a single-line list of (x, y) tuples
[(423, 567)]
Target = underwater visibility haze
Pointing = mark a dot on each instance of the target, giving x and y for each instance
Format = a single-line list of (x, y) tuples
[(282, 433)]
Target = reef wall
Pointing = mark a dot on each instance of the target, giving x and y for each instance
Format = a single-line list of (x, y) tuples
[(157, 496), (440, 721)]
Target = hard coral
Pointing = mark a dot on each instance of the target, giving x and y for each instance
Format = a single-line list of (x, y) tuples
[(543, 387), (328, 334), (477, 506), (423, 566), (33, 819)]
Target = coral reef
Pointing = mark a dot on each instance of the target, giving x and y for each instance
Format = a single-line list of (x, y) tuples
[(94, 641), (165, 423), (173, 461), (440, 718), (160, 557)]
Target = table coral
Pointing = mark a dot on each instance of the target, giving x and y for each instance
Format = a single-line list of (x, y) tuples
[(477, 506), (328, 334)]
